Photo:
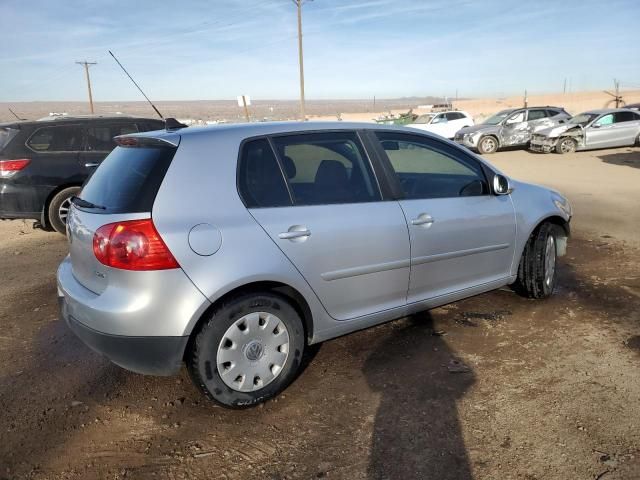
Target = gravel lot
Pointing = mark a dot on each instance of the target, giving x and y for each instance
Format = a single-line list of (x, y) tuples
[(551, 392)]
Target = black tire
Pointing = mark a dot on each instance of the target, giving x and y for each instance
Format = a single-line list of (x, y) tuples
[(566, 145), (488, 144), (532, 279), (62, 198), (201, 357)]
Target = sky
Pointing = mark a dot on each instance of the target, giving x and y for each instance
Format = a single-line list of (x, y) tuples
[(218, 49)]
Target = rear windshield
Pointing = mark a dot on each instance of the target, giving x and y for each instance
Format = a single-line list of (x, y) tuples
[(128, 180), (6, 134)]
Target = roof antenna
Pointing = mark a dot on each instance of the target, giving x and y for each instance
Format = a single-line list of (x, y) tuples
[(14, 114), (137, 86)]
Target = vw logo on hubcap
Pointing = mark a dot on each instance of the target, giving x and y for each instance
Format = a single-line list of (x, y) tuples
[(254, 350)]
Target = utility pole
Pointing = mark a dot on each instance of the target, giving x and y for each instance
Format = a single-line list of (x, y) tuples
[(246, 108), (86, 65), (564, 88), (299, 4), (526, 99)]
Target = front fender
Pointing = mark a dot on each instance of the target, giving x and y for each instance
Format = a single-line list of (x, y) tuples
[(534, 205)]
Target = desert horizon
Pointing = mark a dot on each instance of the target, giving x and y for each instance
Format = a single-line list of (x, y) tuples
[(323, 110)]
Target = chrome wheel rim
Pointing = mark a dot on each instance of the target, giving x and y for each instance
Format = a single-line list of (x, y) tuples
[(489, 145), (63, 210), (253, 352), (550, 261), (567, 146)]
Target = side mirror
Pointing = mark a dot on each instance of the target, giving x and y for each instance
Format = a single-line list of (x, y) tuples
[(596, 125), (501, 185)]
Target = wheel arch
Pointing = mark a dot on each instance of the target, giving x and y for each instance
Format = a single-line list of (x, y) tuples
[(297, 300), (563, 232)]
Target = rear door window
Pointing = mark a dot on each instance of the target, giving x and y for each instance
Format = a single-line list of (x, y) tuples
[(327, 168), (62, 138), (537, 114), (625, 117), (6, 135), (100, 137), (128, 180), (260, 180)]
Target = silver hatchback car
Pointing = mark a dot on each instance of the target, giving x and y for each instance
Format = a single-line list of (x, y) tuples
[(235, 248)]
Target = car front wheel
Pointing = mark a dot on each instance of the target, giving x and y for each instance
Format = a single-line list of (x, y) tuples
[(487, 145), (566, 145), (248, 350), (537, 269)]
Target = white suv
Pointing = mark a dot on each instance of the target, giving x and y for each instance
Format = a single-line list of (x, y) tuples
[(445, 124)]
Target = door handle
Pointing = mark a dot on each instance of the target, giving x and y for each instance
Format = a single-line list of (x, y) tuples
[(296, 232), (423, 219), (91, 165)]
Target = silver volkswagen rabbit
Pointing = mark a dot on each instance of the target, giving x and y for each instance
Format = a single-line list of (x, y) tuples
[(235, 248)]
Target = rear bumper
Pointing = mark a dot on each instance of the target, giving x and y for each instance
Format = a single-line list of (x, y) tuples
[(22, 201), (141, 326), (147, 355)]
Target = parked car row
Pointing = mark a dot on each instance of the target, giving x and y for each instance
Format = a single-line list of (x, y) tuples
[(541, 129), (44, 163)]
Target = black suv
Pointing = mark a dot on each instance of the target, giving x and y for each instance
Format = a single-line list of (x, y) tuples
[(44, 163)]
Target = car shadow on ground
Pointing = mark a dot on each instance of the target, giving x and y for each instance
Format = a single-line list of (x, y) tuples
[(629, 158), (417, 431)]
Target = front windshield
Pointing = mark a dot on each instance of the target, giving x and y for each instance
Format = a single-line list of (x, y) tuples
[(424, 119), (497, 118), (583, 119)]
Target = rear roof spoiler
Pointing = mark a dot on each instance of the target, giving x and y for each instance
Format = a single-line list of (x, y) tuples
[(147, 141)]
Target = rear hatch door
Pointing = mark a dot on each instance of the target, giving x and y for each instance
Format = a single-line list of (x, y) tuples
[(122, 188)]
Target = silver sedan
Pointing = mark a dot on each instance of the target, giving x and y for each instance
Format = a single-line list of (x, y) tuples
[(590, 130)]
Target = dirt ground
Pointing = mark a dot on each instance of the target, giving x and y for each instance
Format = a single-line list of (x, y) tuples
[(551, 390)]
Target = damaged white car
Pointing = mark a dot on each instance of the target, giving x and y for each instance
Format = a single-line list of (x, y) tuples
[(612, 127)]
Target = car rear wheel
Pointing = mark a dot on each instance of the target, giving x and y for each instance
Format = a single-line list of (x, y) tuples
[(59, 207), (566, 145), (488, 144), (537, 269), (248, 350)]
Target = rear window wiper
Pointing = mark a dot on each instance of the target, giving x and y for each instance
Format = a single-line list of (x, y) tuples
[(84, 204)]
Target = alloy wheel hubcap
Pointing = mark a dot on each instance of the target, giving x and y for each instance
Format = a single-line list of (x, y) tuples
[(567, 146), (253, 352), (489, 145), (550, 261), (63, 210)]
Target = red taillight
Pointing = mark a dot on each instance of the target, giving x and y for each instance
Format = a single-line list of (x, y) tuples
[(9, 168), (132, 245)]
